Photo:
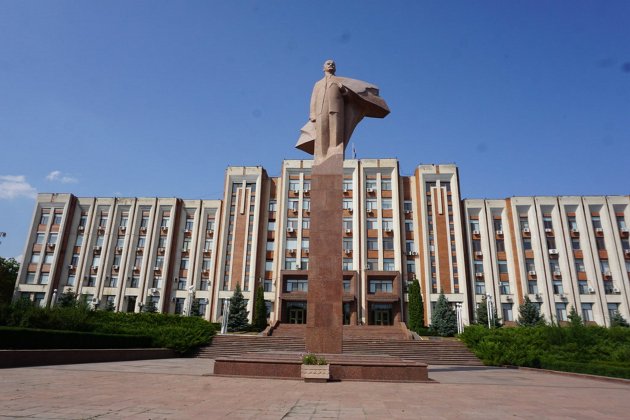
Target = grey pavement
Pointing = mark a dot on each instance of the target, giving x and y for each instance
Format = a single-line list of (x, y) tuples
[(185, 389)]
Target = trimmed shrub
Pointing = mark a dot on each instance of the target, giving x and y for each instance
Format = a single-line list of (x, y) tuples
[(31, 338)]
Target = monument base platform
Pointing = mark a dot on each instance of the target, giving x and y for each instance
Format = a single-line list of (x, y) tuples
[(286, 365)]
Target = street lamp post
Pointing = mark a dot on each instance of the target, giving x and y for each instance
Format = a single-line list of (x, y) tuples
[(489, 308)]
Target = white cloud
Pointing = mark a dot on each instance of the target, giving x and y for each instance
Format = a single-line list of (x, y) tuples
[(58, 176), (13, 186)]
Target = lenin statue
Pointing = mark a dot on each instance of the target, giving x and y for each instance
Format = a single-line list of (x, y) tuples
[(337, 106)]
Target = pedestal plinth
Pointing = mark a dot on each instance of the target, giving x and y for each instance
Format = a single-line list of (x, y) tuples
[(324, 327)]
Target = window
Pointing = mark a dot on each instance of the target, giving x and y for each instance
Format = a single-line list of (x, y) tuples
[(388, 244), (503, 268), (407, 206), (186, 244), (35, 258), (189, 223), (532, 287), (135, 282), (523, 222), (372, 223), (305, 244), (293, 204), (558, 289), (347, 223), (44, 218), (165, 221), (474, 225), (38, 299), (273, 206), (141, 241), (478, 266), (621, 222), (530, 265), (43, 278), (291, 244), (347, 244), (292, 223), (346, 285), (179, 306), (410, 246), (500, 245), (52, 239), (270, 245), (347, 185), (386, 184), (480, 288), (159, 261), (386, 203), (289, 264), (547, 223), (476, 245), (388, 224), (83, 220), (184, 264), (527, 244), (597, 222), (613, 308), (303, 264), (181, 283), (72, 280), (372, 244), (124, 219), (497, 224), (506, 310), (583, 287), (411, 266), (504, 287), (370, 205), (388, 264), (587, 312), (306, 223), (572, 223), (579, 265), (39, 239), (294, 185), (156, 283), (551, 242), (100, 239), (561, 311), (111, 281), (297, 285), (408, 226), (306, 204), (102, 221), (370, 184), (91, 281), (605, 267), (600, 243), (575, 244), (57, 219), (96, 261), (372, 264), (381, 286)]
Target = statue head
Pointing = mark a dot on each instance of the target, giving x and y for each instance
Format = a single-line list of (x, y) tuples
[(330, 67)]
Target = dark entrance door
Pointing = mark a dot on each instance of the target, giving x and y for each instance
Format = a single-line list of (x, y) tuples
[(381, 314), (296, 313)]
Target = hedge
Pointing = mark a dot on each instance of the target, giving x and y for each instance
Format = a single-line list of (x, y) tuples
[(32, 338)]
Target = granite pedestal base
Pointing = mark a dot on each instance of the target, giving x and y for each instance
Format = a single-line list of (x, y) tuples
[(342, 367)]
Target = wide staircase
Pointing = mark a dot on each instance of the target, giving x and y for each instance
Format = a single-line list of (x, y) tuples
[(358, 340)]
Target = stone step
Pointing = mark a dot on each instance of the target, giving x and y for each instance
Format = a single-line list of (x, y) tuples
[(432, 352)]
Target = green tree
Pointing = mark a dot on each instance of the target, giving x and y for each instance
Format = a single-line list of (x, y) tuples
[(482, 314), (237, 320), (195, 308), (416, 307), (618, 320), (150, 307), (444, 320), (528, 314), (575, 320), (67, 299), (9, 268), (260, 309)]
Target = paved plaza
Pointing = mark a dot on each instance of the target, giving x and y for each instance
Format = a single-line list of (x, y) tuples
[(184, 388)]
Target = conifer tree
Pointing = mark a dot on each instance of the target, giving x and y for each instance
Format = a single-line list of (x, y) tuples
[(260, 309), (618, 320), (574, 318), (416, 307), (528, 314), (444, 319), (482, 314), (237, 320)]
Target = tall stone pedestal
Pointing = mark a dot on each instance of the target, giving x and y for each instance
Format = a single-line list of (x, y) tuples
[(324, 328)]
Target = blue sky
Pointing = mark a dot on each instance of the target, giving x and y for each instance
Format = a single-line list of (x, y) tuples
[(157, 98)]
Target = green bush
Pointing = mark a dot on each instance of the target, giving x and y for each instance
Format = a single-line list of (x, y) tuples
[(171, 331), (31, 338), (573, 349)]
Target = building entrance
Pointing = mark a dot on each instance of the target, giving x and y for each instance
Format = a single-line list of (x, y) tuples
[(296, 313), (381, 314)]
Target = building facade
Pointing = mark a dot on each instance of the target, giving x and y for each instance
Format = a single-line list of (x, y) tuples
[(126, 253)]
